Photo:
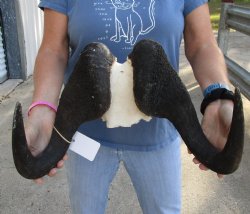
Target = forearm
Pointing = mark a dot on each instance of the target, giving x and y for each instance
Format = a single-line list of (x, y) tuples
[(208, 65), (52, 58), (48, 75), (202, 50)]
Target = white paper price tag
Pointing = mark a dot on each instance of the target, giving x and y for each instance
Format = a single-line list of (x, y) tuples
[(84, 146)]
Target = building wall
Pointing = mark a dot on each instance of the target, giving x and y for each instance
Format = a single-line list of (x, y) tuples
[(32, 21), (3, 63), (13, 39), (22, 29)]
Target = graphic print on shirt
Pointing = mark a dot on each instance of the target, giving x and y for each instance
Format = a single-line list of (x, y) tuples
[(128, 22)]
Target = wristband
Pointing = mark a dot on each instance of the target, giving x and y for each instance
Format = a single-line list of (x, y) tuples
[(44, 103), (214, 86), (220, 93)]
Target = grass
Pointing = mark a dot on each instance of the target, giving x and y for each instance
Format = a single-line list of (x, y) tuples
[(214, 7)]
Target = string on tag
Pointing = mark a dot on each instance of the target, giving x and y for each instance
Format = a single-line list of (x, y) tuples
[(61, 135)]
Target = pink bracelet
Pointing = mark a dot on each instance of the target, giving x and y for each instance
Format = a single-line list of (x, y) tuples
[(38, 103)]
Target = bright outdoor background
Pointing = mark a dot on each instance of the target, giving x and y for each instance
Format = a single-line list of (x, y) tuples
[(215, 5)]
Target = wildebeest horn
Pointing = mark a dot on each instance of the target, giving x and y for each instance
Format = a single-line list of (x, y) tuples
[(85, 97), (159, 92)]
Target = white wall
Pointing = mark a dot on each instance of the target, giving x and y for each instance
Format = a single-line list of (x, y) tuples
[(32, 18), (3, 70)]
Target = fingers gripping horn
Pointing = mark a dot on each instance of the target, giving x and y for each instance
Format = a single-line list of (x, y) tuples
[(159, 92), (85, 97)]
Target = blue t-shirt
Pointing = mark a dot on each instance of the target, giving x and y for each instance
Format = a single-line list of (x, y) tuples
[(120, 24)]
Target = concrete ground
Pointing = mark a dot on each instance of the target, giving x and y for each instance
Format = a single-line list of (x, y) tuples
[(202, 192)]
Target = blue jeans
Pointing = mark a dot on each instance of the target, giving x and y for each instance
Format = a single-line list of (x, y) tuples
[(156, 176)]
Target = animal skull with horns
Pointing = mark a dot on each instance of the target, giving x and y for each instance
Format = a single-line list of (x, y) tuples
[(156, 90)]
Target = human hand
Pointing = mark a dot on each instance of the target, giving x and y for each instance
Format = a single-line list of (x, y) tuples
[(216, 125), (38, 129)]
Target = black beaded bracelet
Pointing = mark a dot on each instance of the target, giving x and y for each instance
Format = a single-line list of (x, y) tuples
[(220, 93)]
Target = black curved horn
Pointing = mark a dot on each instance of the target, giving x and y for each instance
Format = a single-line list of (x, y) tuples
[(85, 97), (159, 92)]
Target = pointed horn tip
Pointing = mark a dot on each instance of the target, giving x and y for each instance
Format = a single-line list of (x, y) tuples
[(18, 108), (17, 114), (237, 95), (237, 91)]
